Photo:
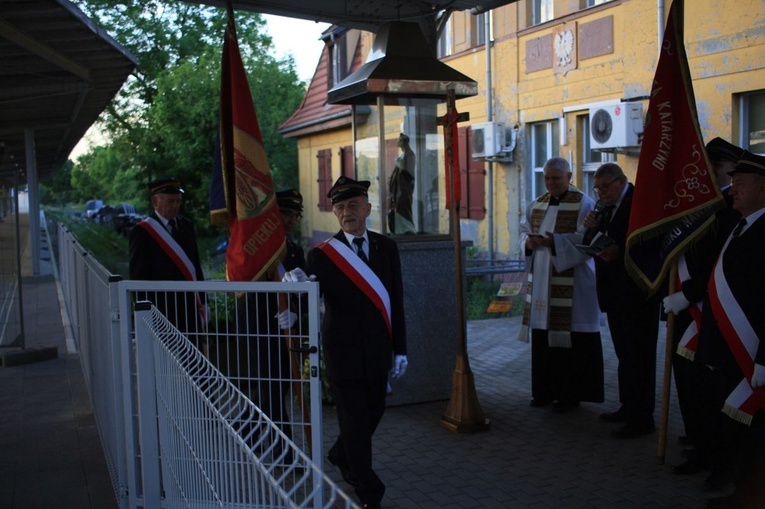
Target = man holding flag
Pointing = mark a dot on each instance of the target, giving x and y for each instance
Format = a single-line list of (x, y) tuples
[(698, 392), (675, 195), (243, 198)]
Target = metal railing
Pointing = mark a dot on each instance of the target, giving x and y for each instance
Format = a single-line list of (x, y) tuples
[(216, 447), (181, 415), (478, 267)]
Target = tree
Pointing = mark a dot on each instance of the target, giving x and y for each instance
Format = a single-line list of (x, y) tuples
[(163, 121)]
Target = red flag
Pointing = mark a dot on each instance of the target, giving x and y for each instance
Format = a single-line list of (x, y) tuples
[(675, 192), (242, 192)]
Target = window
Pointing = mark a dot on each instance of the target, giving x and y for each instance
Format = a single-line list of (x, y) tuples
[(591, 159), (478, 29), (541, 11), (591, 3), (753, 122), (324, 158), (445, 44), (544, 140), (337, 68), (346, 162)]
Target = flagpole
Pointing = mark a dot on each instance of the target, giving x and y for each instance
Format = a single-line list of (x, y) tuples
[(668, 354), (295, 367), (463, 414)]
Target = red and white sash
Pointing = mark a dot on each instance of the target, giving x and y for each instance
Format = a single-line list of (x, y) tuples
[(690, 340), (361, 275), (176, 253), (742, 340)]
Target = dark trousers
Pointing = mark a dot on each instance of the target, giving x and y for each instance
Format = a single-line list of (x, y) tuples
[(567, 374), (748, 450), (634, 333), (692, 402), (360, 406)]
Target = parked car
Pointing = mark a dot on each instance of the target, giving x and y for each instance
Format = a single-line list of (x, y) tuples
[(91, 210), (125, 217)]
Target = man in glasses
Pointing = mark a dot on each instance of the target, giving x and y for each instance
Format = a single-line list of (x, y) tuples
[(633, 316)]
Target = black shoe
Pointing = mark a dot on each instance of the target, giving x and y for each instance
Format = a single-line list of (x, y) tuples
[(618, 416), (725, 502), (344, 469), (633, 431), (348, 477), (690, 466), (538, 403), (564, 406)]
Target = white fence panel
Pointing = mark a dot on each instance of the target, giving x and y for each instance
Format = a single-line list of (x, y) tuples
[(181, 415)]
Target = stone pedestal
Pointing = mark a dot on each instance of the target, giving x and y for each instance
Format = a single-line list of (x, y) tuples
[(431, 321)]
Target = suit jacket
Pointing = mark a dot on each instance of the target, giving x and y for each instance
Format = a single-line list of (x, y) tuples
[(355, 339), (745, 273), (148, 261), (617, 291)]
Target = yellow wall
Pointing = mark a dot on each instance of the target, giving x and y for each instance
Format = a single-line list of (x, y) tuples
[(724, 47)]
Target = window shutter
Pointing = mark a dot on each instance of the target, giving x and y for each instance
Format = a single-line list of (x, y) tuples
[(472, 176), (325, 178)]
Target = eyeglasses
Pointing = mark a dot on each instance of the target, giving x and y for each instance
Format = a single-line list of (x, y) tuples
[(603, 187)]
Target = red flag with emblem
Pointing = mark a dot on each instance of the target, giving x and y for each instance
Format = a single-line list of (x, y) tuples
[(242, 193), (675, 193)]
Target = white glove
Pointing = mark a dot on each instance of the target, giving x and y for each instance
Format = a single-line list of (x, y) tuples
[(286, 319), (758, 377), (297, 276), (675, 303), (399, 366)]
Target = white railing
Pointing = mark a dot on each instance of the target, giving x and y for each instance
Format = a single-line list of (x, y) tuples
[(217, 448), (179, 414)]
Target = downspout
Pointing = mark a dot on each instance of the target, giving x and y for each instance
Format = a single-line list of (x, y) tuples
[(489, 118), (660, 21)]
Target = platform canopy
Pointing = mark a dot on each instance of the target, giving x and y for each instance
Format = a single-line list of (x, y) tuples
[(58, 72)]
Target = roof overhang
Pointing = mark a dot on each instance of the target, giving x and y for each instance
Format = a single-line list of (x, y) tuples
[(58, 72), (368, 16)]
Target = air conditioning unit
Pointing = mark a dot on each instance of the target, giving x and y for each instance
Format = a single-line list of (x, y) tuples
[(616, 125), (487, 139)]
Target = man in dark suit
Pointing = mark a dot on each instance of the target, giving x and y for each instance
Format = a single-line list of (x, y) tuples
[(633, 316), (697, 387), (363, 330), (735, 327), (260, 322), (163, 247)]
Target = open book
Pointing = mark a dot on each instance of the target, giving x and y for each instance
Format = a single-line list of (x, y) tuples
[(599, 242)]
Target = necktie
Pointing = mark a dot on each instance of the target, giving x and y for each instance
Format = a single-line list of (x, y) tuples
[(739, 227), (359, 241), (607, 212), (171, 226)]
